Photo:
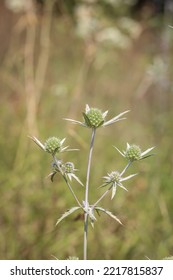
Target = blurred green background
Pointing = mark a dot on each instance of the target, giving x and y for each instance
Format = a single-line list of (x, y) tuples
[(56, 56)]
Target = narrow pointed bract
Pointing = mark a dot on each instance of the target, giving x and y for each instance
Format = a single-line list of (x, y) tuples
[(74, 121), (114, 189), (147, 151), (72, 175), (37, 142), (116, 119)]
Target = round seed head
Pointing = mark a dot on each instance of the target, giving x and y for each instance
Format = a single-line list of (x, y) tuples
[(133, 152), (53, 145), (94, 118)]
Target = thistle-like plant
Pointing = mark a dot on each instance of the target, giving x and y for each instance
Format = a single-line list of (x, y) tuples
[(93, 118)]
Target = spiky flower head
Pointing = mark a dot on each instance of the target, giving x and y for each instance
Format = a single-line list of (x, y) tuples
[(69, 167), (93, 117), (53, 145), (69, 170), (133, 152), (66, 169), (114, 177)]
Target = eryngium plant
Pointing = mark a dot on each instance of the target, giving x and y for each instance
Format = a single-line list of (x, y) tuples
[(93, 119)]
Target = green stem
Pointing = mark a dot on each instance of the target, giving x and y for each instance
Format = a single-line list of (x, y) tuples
[(125, 169), (73, 193), (86, 194), (102, 196)]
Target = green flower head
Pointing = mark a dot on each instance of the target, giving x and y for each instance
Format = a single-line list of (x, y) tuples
[(53, 145), (69, 171), (133, 152), (114, 177), (69, 167), (94, 118)]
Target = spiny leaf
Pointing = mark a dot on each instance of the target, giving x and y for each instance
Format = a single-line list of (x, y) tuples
[(108, 213), (67, 213)]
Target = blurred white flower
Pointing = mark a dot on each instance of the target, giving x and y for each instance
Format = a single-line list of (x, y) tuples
[(158, 71), (18, 6), (87, 24), (59, 90), (113, 36), (128, 25)]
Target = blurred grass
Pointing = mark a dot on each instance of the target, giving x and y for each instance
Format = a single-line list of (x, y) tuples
[(30, 204)]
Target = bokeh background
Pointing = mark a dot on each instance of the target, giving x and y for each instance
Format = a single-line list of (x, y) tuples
[(56, 56)]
